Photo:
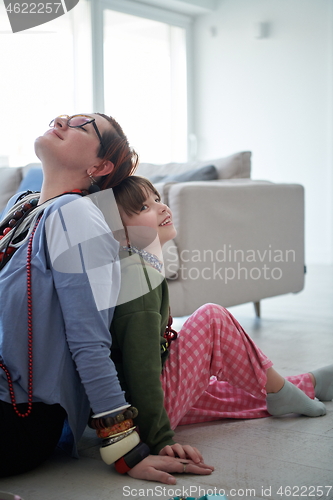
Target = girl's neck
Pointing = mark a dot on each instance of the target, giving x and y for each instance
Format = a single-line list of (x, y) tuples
[(156, 249)]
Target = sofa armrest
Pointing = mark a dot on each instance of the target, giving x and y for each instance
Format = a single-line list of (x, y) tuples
[(238, 241)]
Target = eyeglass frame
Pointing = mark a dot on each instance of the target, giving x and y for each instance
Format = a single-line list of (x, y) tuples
[(91, 120)]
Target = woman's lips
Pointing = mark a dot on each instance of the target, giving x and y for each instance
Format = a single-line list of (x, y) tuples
[(55, 132)]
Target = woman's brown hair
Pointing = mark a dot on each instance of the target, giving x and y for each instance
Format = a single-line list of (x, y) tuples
[(132, 192), (118, 151)]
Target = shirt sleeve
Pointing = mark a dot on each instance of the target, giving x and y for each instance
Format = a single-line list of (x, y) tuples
[(84, 262), (138, 338)]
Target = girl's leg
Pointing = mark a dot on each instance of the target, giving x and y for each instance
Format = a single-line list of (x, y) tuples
[(26, 442), (323, 381), (212, 342), (221, 400), (318, 384)]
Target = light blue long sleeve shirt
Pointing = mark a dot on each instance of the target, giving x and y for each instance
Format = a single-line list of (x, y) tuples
[(75, 282)]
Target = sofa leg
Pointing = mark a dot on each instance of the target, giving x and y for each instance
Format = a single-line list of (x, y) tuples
[(257, 308)]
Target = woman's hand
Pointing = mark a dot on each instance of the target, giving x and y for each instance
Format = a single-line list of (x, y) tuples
[(157, 468), (182, 451)]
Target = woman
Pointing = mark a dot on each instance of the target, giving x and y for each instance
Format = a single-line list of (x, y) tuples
[(59, 281), (213, 369)]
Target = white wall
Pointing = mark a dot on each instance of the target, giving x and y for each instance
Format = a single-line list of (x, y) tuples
[(272, 96)]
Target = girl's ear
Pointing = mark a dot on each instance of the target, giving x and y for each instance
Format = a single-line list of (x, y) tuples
[(104, 169)]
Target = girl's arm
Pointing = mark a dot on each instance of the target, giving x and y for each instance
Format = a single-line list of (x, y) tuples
[(138, 335)]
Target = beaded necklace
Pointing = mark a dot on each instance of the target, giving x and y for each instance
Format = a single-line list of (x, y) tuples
[(150, 258), (16, 227), (15, 224)]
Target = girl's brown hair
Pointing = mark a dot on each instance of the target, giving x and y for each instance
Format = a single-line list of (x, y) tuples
[(132, 192), (118, 151)]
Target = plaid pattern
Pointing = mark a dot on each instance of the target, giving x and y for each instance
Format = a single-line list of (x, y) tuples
[(215, 371)]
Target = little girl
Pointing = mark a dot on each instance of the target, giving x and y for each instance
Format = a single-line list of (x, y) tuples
[(212, 369)]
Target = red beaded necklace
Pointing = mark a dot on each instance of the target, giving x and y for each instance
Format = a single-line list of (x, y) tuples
[(30, 358), (16, 217)]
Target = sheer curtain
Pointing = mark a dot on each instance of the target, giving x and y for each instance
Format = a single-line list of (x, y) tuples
[(145, 84), (48, 70), (45, 71)]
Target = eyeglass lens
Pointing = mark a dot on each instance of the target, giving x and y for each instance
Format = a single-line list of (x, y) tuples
[(73, 121), (78, 120)]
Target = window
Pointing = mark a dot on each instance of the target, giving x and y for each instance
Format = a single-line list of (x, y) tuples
[(130, 64), (45, 71), (145, 84)]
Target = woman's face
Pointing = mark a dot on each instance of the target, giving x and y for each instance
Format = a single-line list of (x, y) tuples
[(153, 214), (73, 148)]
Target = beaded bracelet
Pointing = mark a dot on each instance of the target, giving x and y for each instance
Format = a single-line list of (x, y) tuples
[(104, 422), (115, 429)]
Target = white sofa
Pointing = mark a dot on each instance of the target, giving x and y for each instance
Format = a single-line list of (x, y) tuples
[(239, 240)]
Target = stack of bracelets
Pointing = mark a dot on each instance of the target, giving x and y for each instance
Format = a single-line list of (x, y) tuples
[(121, 443)]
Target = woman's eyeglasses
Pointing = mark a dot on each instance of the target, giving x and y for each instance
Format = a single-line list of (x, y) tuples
[(79, 121)]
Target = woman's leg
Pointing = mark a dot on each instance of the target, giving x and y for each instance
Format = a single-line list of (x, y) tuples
[(27, 442), (212, 343)]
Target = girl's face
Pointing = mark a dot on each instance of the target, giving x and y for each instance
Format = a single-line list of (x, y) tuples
[(153, 214), (73, 148)]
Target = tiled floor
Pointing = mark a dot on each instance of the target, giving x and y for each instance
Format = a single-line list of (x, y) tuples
[(272, 458)]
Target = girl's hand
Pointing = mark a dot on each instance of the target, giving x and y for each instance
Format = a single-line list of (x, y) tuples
[(157, 468), (182, 451)]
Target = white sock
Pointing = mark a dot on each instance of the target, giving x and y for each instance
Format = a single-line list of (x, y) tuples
[(290, 399), (324, 383)]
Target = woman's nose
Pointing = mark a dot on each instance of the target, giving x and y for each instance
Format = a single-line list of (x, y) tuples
[(60, 121)]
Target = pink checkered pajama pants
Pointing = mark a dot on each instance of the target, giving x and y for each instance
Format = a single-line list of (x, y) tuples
[(214, 370)]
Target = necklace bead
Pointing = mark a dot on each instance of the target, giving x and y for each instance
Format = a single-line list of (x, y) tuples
[(12, 222)]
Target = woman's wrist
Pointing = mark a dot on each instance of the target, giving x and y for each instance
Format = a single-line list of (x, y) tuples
[(120, 441), (132, 458), (109, 419), (111, 413)]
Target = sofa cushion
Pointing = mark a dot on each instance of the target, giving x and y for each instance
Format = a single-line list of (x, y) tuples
[(234, 166), (207, 173), (10, 181)]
